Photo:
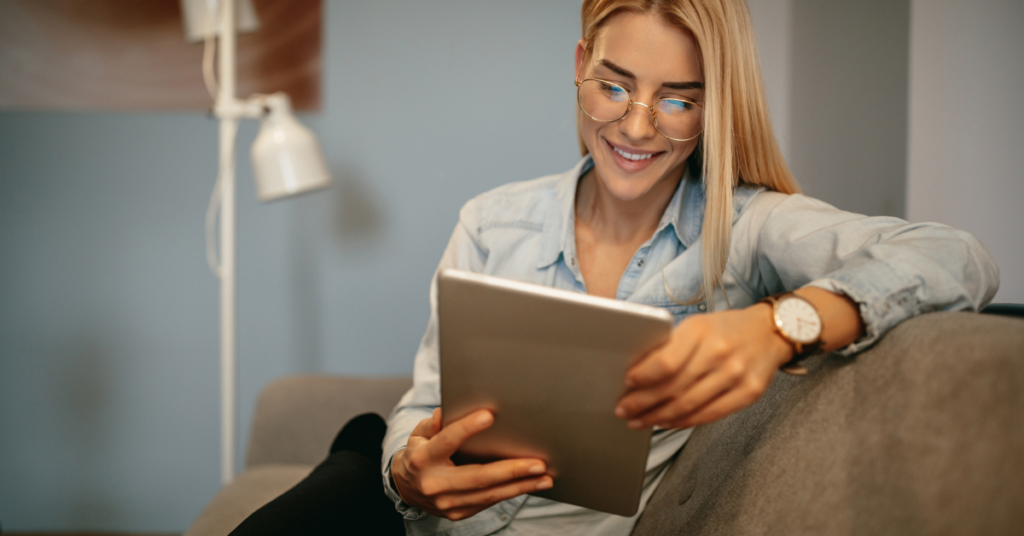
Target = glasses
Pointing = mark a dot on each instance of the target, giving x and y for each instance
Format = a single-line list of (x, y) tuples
[(675, 118)]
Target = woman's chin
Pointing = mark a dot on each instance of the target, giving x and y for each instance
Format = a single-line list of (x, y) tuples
[(628, 190)]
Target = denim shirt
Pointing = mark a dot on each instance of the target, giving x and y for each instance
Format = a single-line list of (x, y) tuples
[(525, 231)]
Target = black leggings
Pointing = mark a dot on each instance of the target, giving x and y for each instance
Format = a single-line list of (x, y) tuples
[(343, 495)]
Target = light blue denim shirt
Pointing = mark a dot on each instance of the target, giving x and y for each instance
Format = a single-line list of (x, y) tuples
[(525, 231)]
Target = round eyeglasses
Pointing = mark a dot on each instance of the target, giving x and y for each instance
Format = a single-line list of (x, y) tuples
[(675, 118)]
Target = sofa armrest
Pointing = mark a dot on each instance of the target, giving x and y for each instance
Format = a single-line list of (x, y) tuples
[(297, 417), (921, 434)]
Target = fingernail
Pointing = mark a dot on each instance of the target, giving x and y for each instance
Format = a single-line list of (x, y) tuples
[(545, 484), (483, 418), (620, 412), (630, 382), (537, 469)]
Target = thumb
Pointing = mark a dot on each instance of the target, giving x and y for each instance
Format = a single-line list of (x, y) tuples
[(437, 421)]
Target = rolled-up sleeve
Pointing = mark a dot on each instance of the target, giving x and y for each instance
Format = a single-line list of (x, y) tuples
[(465, 253), (891, 268)]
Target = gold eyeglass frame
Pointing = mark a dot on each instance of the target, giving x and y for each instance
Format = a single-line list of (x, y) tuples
[(629, 106)]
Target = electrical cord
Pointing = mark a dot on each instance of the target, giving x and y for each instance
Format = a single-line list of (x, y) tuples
[(212, 211), (209, 48)]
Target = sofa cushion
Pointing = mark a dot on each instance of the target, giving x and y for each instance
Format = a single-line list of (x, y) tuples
[(922, 434), (243, 496)]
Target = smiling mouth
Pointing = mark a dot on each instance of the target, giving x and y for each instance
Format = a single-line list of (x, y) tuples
[(631, 156), (635, 157)]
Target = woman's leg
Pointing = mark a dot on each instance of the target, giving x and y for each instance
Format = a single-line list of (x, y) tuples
[(343, 495)]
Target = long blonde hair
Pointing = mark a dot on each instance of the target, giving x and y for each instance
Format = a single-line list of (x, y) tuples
[(737, 144)]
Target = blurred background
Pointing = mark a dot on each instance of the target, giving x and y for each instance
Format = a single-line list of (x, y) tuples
[(109, 386)]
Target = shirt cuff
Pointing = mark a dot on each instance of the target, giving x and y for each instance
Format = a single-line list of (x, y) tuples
[(881, 308), (408, 511)]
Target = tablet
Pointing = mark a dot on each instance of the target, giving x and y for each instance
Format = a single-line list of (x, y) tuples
[(551, 365)]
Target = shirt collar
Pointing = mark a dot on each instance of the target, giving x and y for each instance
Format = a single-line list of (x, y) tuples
[(685, 213)]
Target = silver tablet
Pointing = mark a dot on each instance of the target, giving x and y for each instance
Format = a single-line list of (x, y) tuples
[(550, 364)]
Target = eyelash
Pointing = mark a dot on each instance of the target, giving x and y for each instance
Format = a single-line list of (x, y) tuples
[(632, 92)]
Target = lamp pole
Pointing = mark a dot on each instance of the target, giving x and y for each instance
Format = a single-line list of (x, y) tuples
[(226, 112), (286, 161)]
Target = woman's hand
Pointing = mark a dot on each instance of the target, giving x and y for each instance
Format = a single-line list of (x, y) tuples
[(712, 366), (426, 477), (719, 363)]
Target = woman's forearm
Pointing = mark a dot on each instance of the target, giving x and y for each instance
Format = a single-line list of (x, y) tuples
[(841, 324)]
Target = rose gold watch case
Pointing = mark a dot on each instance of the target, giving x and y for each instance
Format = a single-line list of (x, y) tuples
[(793, 366)]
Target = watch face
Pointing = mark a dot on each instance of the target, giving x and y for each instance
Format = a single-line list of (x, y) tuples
[(798, 320)]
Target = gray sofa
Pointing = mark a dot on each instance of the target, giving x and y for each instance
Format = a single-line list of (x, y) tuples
[(921, 434)]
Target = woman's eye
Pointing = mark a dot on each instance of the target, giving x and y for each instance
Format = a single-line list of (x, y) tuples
[(673, 106), (614, 93)]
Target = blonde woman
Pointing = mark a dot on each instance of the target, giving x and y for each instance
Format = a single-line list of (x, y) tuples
[(683, 201)]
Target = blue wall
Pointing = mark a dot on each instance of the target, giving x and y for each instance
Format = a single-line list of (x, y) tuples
[(108, 313)]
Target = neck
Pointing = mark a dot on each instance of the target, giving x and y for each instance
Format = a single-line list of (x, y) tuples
[(618, 220)]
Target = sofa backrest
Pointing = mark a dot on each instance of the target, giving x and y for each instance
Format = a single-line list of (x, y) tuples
[(297, 417), (921, 434)]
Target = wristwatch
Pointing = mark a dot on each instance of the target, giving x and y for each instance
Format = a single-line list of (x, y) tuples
[(797, 321)]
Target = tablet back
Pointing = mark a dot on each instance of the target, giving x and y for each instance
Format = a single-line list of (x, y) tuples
[(550, 365)]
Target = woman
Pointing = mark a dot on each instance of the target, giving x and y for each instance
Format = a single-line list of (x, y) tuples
[(682, 201)]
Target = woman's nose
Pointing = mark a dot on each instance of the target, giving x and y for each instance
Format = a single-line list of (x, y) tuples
[(637, 124)]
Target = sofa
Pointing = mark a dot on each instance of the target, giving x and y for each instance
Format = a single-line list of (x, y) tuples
[(921, 434)]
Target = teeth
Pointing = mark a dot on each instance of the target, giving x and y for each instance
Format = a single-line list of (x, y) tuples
[(632, 156)]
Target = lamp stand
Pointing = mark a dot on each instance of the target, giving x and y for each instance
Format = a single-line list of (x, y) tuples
[(286, 161)]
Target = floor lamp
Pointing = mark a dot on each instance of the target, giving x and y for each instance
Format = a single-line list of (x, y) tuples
[(286, 161)]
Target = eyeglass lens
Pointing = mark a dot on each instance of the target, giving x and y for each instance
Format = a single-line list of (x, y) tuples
[(674, 118)]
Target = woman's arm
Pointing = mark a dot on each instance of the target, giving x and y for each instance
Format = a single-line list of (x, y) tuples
[(418, 473), (863, 274)]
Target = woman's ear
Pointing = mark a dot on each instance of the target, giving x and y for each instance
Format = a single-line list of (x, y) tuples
[(581, 48)]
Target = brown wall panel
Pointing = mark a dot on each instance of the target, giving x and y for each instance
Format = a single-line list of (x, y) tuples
[(132, 55)]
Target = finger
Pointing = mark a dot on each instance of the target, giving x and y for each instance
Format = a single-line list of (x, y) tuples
[(493, 495), (424, 428), (448, 440), (661, 364), (686, 402), (481, 476), (462, 513), (727, 404), (436, 421), (639, 401)]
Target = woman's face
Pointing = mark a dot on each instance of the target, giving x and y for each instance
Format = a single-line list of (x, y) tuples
[(652, 61)]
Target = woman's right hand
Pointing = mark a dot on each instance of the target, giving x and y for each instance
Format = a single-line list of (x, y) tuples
[(426, 477)]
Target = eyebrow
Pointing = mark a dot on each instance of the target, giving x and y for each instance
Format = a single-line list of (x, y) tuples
[(670, 85)]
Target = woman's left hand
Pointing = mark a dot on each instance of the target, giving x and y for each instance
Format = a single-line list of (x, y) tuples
[(713, 365)]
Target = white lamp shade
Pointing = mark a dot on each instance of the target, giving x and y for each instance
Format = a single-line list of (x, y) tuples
[(200, 18), (286, 157)]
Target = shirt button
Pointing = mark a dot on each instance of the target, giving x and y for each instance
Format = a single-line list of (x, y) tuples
[(640, 263), (702, 307), (504, 517)]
